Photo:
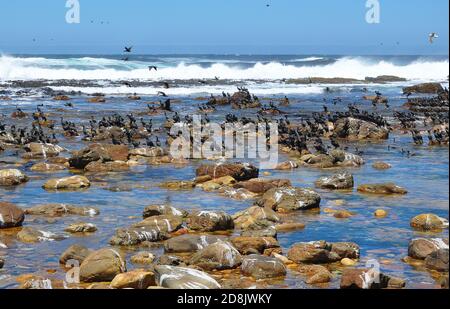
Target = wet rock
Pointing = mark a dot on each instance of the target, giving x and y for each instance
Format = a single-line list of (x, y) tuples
[(150, 152), (260, 186), (348, 262), (237, 194), (32, 235), (258, 230), (12, 177), (289, 227), (336, 182), (99, 152), (10, 215), (218, 256), (254, 245), (385, 189), (58, 210), (178, 185), (428, 222), (143, 258), (255, 216), (368, 279), (358, 129), (421, 248), (438, 260), (342, 158), (381, 166), (321, 252), (47, 167), (210, 221), (107, 167), (315, 274), (184, 278), (67, 183), (136, 236), (239, 171), (190, 243), (161, 210), (380, 213), (170, 260), (346, 250), (286, 166), (385, 79), (136, 279), (81, 228), (75, 252), (102, 265), (343, 214), (61, 98), (289, 199), (164, 224), (424, 88), (44, 150), (262, 267)]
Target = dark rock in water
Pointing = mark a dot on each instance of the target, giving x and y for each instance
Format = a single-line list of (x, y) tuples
[(336, 182), (254, 245), (47, 167), (421, 248), (358, 129), (424, 88), (102, 266), (159, 210), (262, 267), (438, 260), (261, 186), (75, 252), (58, 210), (348, 250), (190, 243), (210, 221), (385, 189), (369, 279), (321, 252), (136, 236), (238, 171), (289, 199), (12, 177), (218, 256), (184, 278), (428, 222), (10, 215), (98, 152)]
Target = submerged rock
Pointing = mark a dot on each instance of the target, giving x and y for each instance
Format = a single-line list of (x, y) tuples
[(32, 235), (385, 189), (12, 177), (262, 267), (107, 167), (102, 265), (10, 215), (289, 199), (67, 183), (81, 228), (336, 182), (47, 167), (381, 166), (183, 278), (58, 210)]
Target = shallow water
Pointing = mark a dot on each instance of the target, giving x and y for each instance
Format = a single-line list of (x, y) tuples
[(425, 174)]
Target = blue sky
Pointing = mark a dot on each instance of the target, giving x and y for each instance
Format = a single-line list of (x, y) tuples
[(224, 26)]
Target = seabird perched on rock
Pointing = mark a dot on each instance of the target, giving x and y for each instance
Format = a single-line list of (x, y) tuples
[(433, 36)]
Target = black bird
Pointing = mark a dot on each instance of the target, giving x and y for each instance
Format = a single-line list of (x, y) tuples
[(128, 49), (166, 85), (160, 93)]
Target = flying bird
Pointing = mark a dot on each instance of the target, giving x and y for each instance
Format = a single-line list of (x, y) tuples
[(128, 49), (433, 36)]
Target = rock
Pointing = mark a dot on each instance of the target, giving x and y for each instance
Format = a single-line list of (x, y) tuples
[(74, 252), (237, 194), (321, 252), (214, 184), (381, 166), (162, 224), (428, 222), (170, 260), (107, 167), (151, 152), (289, 199), (10, 215), (315, 274), (358, 129), (81, 228), (136, 236), (346, 250), (368, 279), (239, 171), (61, 98), (348, 262), (260, 231), (380, 213), (420, 248), (161, 210), (254, 245), (218, 256), (2, 263), (385, 79), (438, 260), (343, 214), (341, 158), (336, 182), (58, 210), (210, 221), (99, 152), (143, 258), (12, 177), (255, 216), (183, 278), (136, 279), (261, 186), (102, 265), (190, 243), (387, 188), (289, 227), (32, 235), (67, 183), (44, 150), (262, 267), (424, 88), (99, 99), (286, 166), (46, 167), (178, 185)]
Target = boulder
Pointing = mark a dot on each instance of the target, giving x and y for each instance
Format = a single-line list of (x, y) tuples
[(67, 183), (424, 88), (385, 189), (254, 245), (210, 221), (336, 182), (255, 216), (160, 210), (190, 243), (421, 248), (346, 250), (136, 236), (321, 252), (438, 260), (32, 235), (102, 265), (162, 224), (218, 256), (75, 252), (136, 279), (286, 166), (358, 129), (428, 222), (183, 278), (289, 199), (368, 279), (81, 227), (58, 210), (12, 177), (260, 230), (261, 186), (10, 215), (239, 171), (315, 274), (44, 150), (262, 267), (99, 152)]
